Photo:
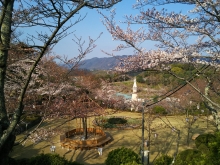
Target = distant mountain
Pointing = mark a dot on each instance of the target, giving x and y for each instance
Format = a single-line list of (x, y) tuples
[(105, 63)]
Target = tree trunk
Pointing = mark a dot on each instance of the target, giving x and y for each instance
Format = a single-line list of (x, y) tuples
[(6, 148), (7, 137), (85, 133), (188, 132)]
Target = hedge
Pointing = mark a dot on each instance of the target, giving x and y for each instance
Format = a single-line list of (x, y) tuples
[(122, 156), (43, 159)]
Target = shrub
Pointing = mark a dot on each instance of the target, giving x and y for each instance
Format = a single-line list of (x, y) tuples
[(184, 66), (117, 120), (204, 139), (207, 153), (163, 160), (48, 159), (132, 163), (108, 125), (12, 161), (122, 156), (203, 147), (190, 157), (140, 79), (177, 70), (214, 145), (155, 98), (43, 159), (159, 110)]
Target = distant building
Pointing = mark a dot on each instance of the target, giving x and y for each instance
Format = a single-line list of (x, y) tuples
[(135, 101)]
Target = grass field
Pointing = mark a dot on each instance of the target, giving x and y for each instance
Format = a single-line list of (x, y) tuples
[(165, 142)]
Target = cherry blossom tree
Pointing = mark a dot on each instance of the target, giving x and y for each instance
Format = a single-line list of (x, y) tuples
[(49, 19), (189, 36)]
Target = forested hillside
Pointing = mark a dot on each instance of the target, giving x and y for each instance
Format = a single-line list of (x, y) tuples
[(105, 63)]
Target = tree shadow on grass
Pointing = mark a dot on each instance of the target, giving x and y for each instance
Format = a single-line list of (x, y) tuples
[(164, 145), (91, 156), (20, 151)]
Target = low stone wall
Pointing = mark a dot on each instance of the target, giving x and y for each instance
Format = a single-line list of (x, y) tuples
[(79, 131), (69, 143)]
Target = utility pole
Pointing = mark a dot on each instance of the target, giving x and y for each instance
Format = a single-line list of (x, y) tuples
[(148, 143), (142, 146), (189, 122), (177, 144)]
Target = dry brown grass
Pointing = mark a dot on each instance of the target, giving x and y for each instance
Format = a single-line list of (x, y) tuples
[(165, 142)]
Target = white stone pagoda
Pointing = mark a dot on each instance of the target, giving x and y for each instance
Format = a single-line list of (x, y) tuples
[(135, 101), (134, 98), (134, 94)]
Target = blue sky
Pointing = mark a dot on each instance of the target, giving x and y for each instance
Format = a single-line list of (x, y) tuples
[(92, 26)]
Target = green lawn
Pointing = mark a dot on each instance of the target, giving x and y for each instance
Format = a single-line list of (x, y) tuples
[(166, 141)]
